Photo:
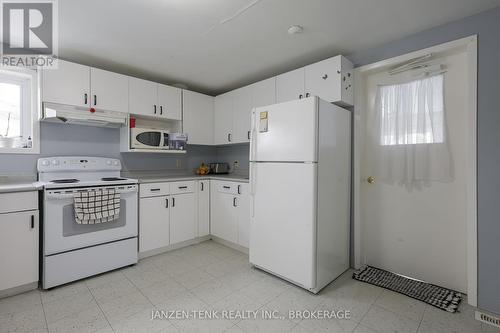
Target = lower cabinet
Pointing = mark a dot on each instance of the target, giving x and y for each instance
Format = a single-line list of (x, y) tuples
[(203, 208), (154, 223), (183, 217), (230, 211), (19, 239)]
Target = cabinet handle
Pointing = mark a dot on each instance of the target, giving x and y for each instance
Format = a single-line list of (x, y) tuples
[(161, 109), (338, 72), (154, 189), (248, 135), (229, 137), (182, 187), (173, 201), (234, 202), (155, 109), (308, 94), (202, 187), (95, 100), (239, 187), (32, 224), (85, 98), (166, 203), (324, 77), (226, 187), (300, 96)]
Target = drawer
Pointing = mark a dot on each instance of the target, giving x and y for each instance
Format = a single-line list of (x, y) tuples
[(182, 187), (18, 201), (154, 189), (229, 187)]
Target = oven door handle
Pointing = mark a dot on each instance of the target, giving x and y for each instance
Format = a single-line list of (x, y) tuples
[(52, 195)]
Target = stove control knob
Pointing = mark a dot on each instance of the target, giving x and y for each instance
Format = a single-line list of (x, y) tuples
[(45, 163), (108, 162), (55, 162), (116, 163)]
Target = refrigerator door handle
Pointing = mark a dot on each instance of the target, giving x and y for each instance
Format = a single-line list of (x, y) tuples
[(253, 137)]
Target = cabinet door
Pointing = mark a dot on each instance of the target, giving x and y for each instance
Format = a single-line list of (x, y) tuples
[(203, 208), (243, 213), (324, 79), (290, 86), (264, 93), (242, 110), (143, 97), (223, 118), (223, 216), (183, 218), (169, 102), (68, 84), (109, 90), (154, 223), (198, 117), (19, 234)]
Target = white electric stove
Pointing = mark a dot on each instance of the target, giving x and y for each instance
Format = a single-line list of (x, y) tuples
[(73, 251)]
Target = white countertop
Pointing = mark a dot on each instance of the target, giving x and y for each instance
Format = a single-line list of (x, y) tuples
[(18, 184), (171, 177)]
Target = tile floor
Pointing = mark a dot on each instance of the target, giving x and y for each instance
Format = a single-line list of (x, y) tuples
[(209, 276)]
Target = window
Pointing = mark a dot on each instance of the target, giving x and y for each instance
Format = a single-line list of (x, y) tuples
[(411, 113), (18, 111)]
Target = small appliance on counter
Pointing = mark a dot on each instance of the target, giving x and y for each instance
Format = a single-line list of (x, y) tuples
[(177, 141), (219, 168)]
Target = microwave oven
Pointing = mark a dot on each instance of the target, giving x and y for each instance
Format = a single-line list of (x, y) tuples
[(143, 138)]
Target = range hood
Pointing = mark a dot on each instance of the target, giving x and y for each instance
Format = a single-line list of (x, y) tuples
[(68, 114)]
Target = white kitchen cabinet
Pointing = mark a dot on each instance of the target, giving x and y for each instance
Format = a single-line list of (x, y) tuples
[(154, 223), (264, 93), (331, 80), (169, 102), (109, 90), (290, 86), (68, 84), (183, 218), (223, 118), (19, 241), (142, 97), (203, 208), (198, 117), (243, 214), (242, 110)]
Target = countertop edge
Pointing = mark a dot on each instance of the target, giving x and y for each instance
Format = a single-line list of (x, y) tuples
[(19, 187), (187, 178)]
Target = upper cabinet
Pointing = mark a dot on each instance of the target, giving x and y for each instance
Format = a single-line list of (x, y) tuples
[(83, 86), (68, 84), (330, 79), (153, 99), (223, 118), (108, 90), (198, 117), (242, 110)]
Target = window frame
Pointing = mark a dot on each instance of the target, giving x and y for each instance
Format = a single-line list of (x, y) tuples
[(30, 106)]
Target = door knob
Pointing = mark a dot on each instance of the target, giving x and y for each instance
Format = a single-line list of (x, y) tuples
[(370, 180)]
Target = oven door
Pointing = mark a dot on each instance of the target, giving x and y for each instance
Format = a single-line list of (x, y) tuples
[(61, 232)]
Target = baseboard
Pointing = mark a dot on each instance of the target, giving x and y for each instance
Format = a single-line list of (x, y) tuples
[(172, 247), (232, 245), (18, 290)]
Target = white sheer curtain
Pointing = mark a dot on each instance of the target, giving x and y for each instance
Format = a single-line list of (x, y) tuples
[(410, 144)]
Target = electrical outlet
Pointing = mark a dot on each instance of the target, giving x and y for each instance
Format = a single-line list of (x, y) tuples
[(236, 165)]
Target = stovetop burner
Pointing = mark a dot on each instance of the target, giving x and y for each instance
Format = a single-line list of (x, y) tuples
[(65, 181), (112, 179)]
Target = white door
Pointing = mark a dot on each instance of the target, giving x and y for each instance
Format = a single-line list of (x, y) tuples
[(203, 208), (243, 214), (154, 223), (109, 90), (282, 227), (264, 92), (324, 79), (19, 234), (242, 111), (290, 86), (285, 132), (143, 96), (223, 219), (183, 219), (169, 102), (420, 233), (198, 117), (68, 84), (223, 118)]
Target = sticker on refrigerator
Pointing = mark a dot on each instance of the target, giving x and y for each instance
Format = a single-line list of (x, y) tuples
[(263, 122)]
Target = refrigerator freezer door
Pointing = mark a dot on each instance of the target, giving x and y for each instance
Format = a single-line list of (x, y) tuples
[(282, 228), (285, 132)]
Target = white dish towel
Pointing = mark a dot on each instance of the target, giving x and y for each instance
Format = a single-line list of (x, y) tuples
[(97, 206)]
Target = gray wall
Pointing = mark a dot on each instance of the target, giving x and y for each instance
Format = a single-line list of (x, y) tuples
[(487, 26), (64, 140), (238, 153)]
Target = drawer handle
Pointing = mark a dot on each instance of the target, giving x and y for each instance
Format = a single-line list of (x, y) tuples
[(226, 187), (155, 189), (202, 187), (166, 203), (182, 187), (32, 224)]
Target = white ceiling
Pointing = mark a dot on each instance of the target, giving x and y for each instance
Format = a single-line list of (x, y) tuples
[(184, 41)]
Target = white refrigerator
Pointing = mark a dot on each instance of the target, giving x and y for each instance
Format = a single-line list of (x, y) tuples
[(300, 153)]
